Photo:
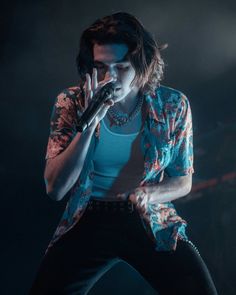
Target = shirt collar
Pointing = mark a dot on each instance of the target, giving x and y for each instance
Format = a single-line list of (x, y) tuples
[(155, 106)]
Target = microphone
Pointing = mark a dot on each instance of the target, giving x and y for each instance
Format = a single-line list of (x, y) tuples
[(106, 92)]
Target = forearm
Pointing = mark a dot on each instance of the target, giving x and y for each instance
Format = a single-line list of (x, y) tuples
[(62, 171), (170, 189)]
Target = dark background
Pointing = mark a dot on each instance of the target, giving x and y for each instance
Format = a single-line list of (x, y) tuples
[(39, 43)]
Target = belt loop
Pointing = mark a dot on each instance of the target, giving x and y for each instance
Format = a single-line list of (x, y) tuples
[(130, 206)]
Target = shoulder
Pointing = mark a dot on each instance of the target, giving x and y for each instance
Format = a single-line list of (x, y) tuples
[(172, 100), (72, 92), (170, 95), (70, 97)]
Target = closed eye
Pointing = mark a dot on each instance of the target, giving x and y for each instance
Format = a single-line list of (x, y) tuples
[(100, 66), (123, 67)]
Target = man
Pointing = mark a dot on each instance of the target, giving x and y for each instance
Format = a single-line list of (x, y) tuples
[(123, 171)]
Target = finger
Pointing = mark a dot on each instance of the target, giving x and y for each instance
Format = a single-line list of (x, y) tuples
[(94, 79), (143, 203), (106, 106), (142, 210), (88, 79), (132, 198), (146, 216), (104, 82), (85, 93), (89, 88), (109, 102)]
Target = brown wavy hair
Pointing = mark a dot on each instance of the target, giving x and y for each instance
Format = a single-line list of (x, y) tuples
[(144, 53)]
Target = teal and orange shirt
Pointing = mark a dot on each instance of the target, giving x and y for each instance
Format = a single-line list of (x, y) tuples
[(167, 148)]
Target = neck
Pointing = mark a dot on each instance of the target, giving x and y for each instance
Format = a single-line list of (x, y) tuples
[(127, 104)]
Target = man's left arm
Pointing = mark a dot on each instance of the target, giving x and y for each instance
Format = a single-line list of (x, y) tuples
[(180, 168), (170, 189)]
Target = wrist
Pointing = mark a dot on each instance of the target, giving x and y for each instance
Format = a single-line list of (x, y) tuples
[(91, 128)]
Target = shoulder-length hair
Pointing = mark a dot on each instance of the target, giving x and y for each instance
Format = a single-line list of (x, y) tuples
[(143, 53)]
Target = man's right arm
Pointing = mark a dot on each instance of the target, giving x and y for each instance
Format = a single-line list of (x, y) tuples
[(62, 171)]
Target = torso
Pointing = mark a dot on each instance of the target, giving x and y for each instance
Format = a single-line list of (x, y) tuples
[(132, 171)]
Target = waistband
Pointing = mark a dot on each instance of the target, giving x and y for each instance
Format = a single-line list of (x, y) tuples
[(110, 206)]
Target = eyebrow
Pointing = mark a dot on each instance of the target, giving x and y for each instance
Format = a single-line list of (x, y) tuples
[(124, 59)]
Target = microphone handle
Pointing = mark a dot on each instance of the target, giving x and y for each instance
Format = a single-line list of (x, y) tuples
[(95, 106)]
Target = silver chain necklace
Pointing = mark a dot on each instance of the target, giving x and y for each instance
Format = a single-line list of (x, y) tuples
[(121, 118)]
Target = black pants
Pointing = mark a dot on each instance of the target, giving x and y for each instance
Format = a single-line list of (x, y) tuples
[(101, 239)]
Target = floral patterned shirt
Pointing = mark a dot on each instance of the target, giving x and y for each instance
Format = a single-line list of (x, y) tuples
[(166, 144)]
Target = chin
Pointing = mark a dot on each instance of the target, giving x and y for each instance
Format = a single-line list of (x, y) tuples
[(119, 95), (117, 98)]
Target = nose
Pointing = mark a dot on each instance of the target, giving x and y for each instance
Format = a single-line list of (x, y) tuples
[(111, 73)]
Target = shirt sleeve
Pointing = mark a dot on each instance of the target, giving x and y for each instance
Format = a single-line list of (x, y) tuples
[(181, 162), (62, 124)]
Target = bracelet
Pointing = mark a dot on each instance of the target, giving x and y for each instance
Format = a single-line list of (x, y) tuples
[(141, 195)]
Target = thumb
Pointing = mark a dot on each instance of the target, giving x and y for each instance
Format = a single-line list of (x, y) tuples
[(109, 102), (133, 198)]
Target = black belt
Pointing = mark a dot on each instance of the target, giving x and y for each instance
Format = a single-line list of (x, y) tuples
[(107, 206)]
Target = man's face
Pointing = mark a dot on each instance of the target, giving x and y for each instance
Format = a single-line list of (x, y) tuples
[(111, 60)]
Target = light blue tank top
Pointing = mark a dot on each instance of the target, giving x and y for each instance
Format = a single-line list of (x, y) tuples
[(118, 164)]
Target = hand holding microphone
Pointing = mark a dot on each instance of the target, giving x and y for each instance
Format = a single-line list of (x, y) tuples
[(98, 99)]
